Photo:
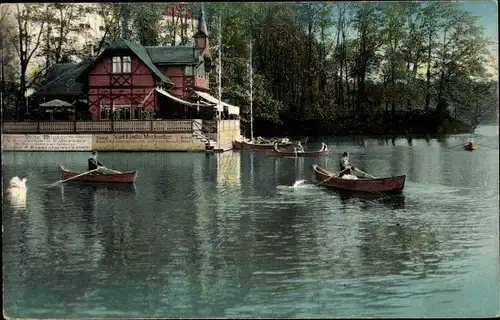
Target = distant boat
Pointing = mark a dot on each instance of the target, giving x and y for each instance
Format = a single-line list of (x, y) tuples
[(470, 146), (294, 153), (261, 144)]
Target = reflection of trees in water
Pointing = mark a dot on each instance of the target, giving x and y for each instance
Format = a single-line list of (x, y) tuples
[(236, 251), (16, 257), (223, 266), (399, 160), (398, 248), (394, 255), (83, 227), (409, 139), (367, 200)]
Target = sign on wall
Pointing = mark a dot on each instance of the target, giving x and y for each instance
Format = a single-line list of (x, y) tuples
[(146, 142), (46, 142)]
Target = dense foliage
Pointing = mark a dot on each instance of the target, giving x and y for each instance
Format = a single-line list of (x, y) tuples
[(318, 67), (357, 67)]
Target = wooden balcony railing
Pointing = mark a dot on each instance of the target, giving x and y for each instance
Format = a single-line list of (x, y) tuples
[(103, 126), (120, 126)]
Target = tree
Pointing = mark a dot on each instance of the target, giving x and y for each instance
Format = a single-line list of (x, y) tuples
[(431, 17), (30, 20), (474, 101), (9, 72), (367, 23), (146, 19), (177, 22)]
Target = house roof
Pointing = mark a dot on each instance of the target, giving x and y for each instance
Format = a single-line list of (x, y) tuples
[(63, 79), (67, 78), (57, 70), (172, 55), (137, 49)]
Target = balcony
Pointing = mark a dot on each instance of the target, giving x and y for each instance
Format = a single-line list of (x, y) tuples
[(201, 83)]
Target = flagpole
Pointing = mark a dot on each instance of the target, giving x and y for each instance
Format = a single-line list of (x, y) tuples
[(251, 93), (219, 109)]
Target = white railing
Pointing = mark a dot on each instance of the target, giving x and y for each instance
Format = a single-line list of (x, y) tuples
[(205, 126), (97, 126)]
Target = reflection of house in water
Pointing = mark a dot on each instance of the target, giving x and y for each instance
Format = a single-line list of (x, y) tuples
[(221, 238), (228, 170)]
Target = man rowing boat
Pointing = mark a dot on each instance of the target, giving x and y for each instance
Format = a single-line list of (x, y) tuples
[(345, 166), (299, 148), (94, 163)]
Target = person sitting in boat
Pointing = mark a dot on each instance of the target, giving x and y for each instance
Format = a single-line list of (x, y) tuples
[(345, 166), (299, 147), (94, 163)]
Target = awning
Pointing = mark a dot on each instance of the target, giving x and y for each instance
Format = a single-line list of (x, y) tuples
[(187, 103), (55, 103), (230, 108)]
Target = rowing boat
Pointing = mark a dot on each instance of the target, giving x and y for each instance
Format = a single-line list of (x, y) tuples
[(237, 145), (330, 179), (294, 153), (261, 146), (124, 177), (470, 146)]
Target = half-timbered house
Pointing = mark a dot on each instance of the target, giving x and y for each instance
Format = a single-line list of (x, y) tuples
[(131, 81)]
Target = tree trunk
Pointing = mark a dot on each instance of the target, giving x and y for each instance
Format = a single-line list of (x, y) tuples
[(428, 75)]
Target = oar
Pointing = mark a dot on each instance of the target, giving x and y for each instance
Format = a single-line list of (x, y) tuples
[(458, 145), (486, 146), (331, 177), (111, 170), (366, 174), (78, 175)]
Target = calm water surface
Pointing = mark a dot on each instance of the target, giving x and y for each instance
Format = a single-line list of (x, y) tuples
[(225, 235)]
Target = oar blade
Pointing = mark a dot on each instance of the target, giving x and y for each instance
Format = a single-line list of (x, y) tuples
[(299, 183)]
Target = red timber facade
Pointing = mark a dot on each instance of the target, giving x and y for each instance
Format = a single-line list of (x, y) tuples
[(128, 80)]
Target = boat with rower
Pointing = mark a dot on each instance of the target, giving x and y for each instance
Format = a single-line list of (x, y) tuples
[(470, 146), (362, 182), (109, 176), (293, 152)]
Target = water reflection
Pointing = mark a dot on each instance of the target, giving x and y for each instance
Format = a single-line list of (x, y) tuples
[(17, 199), (399, 248), (214, 235), (409, 139), (228, 169), (367, 200)]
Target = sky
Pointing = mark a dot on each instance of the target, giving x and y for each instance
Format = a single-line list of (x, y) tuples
[(487, 10)]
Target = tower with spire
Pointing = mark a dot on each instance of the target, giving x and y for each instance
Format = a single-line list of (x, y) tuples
[(201, 35)]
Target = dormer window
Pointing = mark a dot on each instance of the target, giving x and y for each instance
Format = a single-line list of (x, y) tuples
[(122, 64), (126, 65)]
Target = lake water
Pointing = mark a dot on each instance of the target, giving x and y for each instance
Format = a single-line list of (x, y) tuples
[(226, 236)]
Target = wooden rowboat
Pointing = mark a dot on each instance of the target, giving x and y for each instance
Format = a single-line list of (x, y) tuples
[(237, 145), (261, 146), (291, 153), (362, 184), (124, 177), (470, 146)]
